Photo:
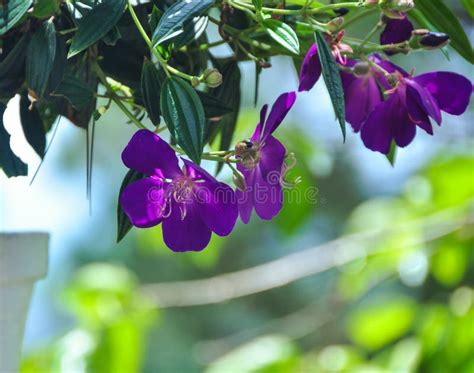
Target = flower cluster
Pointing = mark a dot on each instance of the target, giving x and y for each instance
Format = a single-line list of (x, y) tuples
[(189, 202), (385, 103), (382, 101)]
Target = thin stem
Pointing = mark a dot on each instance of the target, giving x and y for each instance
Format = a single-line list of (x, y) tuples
[(102, 77), (239, 5)]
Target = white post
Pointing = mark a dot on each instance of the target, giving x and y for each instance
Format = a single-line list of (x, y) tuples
[(23, 260)]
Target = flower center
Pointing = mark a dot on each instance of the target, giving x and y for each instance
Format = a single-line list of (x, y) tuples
[(249, 154), (181, 190)]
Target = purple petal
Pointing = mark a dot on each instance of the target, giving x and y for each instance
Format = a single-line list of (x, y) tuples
[(418, 116), (143, 201), (396, 31), (185, 234), (258, 129), (196, 172), (280, 109), (272, 156), (451, 91), (217, 206), (245, 199), (268, 195), (377, 132), (416, 92), (310, 69), (149, 154), (362, 95)]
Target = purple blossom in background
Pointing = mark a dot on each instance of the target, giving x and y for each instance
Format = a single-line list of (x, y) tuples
[(396, 31), (190, 203), (261, 164), (411, 103)]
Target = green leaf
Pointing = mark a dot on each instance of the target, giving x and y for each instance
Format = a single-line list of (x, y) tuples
[(282, 34), (469, 6), (332, 78), (40, 55), (172, 21), (123, 223), (11, 12), (12, 70), (96, 24), (151, 91), (45, 8), (77, 92), (9, 162), (32, 124), (192, 30), (230, 94), (438, 14), (213, 107), (184, 115)]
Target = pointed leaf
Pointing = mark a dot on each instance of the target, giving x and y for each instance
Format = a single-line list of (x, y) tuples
[(11, 12), (282, 34), (184, 115), (40, 55), (213, 106), (9, 162), (123, 223), (96, 24), (32, 124), (77, 92), (332, 78), (151, 91), (12, 70), (172, 21)]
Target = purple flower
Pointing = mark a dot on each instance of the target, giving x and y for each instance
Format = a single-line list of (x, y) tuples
[(362, 91), (190, 203), (411, 103), (311, 67), (262, 160), (396, 31)]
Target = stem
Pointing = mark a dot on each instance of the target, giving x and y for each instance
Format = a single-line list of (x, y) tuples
[(372, 32), (101, 75), (239, 5)]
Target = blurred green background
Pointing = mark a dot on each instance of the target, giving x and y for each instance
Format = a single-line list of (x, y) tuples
[(376, 276)]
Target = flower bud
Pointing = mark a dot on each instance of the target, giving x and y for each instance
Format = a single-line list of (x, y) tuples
[(239, 181), (335, 24), (212, 78), (398, 5), (361, 69), (195, 81), (434, 40)]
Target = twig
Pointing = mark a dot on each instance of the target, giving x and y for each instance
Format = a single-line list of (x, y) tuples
[(293, 267)]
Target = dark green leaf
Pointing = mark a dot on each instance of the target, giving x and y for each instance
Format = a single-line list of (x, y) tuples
[(96, 24), (12, 70), (213, 107), (192, 30), (155, 17), (59, 65), (40, 55), (9, 162), (112, 37), (45, 8), (445, 21), (151, 91), (230, 94), (11, 12), (123, 223), (172, 21), (282, 34), (32, 124), (332, 78), (258, 4), (77, 92), (184, 115)]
